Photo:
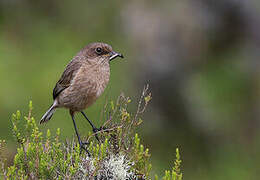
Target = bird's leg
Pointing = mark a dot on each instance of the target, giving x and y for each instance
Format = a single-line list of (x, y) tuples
[(82, 144), (95, 130)]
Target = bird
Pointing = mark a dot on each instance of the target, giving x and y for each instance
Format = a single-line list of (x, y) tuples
[(82, 83)]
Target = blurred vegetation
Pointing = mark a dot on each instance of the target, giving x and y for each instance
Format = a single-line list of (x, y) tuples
[(201, 59)]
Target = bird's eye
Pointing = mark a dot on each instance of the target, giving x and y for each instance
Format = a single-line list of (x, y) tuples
[(98, 50)]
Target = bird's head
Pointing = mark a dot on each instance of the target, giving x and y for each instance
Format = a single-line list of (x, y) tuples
[(100, 52)]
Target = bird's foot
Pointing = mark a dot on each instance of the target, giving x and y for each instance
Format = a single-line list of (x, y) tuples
[(96, 130), (83, 146)]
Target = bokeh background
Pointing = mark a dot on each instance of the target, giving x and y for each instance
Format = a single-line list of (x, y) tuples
[(201, 59)]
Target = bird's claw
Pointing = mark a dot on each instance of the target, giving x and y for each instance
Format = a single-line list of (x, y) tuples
[(82, 146), (96, 130), (84, 143)]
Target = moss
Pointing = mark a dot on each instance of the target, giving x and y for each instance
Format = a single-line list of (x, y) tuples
[(118, 155)]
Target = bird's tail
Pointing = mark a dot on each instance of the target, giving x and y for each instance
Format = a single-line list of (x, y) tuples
[(47, 116)]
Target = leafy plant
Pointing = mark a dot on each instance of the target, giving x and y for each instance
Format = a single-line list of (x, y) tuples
[(118, 154)]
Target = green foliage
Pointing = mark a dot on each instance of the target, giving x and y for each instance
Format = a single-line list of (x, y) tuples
[(175, 173), (141, 157), (118, 155)]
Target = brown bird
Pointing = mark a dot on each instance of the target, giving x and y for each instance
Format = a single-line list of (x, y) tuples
[(82, 82)]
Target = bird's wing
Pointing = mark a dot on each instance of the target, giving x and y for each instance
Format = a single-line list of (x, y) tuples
[(67, 76)]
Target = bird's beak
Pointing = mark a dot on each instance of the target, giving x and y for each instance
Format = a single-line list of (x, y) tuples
[(113, 55)]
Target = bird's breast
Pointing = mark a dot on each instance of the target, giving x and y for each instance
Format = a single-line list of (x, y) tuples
[(92, 81), (87, 85)]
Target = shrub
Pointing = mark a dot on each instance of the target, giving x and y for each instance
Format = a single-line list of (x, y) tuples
[(118, 155)]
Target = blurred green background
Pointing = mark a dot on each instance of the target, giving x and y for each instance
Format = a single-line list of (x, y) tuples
[(201, 59)]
